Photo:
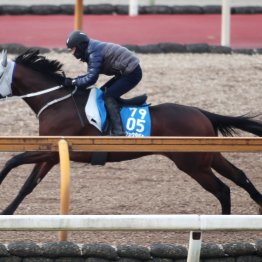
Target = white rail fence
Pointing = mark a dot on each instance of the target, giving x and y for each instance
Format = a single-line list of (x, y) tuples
[(196, 224), (225, 17), (131, 222), (134, 7)]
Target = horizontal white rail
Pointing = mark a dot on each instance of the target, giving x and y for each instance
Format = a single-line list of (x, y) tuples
[(131, 222)]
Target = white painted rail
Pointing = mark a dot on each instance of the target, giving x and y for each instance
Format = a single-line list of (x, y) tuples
[(196, 224), (131, 222)]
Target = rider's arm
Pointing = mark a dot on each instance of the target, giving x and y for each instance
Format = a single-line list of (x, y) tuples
[(94, 67)]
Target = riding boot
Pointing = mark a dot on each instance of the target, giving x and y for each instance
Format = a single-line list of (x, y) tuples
[(114, 115)]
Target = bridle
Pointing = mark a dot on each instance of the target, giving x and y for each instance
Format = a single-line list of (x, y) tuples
[(42, 92), (7, 68)]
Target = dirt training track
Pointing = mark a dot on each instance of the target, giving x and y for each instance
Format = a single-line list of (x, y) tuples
[(225, 84)]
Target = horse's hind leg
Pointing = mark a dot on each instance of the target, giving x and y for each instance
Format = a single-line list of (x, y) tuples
[(207, 179), (38, 173), (198, 166), (228, 170)]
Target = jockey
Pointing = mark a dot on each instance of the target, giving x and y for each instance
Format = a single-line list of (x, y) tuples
[(108, 59)]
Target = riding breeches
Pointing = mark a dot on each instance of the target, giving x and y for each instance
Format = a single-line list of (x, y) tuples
[(119, 85)]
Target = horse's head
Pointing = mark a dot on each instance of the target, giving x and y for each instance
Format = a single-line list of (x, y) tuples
[(35, 73), (6, 75)]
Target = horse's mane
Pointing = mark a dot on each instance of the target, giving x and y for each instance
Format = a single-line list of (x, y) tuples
[(32, 59)]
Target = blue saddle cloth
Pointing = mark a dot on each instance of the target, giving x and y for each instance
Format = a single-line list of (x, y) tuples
[(136, 120)]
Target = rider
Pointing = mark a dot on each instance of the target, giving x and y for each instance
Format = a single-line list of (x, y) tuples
[(109, 59)]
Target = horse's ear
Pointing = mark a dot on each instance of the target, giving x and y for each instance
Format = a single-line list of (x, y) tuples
[(4, 58)]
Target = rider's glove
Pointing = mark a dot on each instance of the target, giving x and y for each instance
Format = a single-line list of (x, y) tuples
[(69, 83)]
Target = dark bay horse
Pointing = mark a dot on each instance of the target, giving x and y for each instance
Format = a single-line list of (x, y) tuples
[(31, 73)]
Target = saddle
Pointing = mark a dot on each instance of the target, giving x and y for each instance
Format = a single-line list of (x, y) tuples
[(134, 101)]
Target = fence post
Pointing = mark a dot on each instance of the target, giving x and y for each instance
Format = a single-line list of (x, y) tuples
[(133, 7), (225, 24), (65, 182), (79, 9), (194, 247)]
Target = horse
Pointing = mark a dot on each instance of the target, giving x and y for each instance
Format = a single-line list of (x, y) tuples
[(38, 81)]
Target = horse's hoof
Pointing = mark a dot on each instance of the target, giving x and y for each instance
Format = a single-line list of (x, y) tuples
[(6, 212)]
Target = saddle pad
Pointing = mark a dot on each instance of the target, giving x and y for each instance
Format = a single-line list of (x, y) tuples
[(91, 110), (136, 120)]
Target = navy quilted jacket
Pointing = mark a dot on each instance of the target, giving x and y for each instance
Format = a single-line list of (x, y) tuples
[(106, 58)]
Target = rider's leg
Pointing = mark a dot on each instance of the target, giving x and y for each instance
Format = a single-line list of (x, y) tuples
[(119, 85), (114, 115), (117, 88)]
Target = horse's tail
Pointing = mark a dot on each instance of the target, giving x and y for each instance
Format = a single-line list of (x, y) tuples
[(226, 125)]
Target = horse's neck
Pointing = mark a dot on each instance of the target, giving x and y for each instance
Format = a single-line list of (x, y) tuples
[(27, 81)]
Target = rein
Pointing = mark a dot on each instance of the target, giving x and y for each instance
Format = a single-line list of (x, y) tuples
[(55, 101), (41, 93), (32, 94)]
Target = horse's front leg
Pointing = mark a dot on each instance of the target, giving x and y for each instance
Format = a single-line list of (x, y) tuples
[(38, 173), (45, 162), (21, 159)]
